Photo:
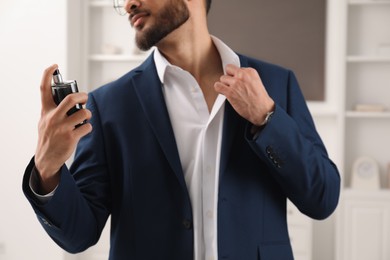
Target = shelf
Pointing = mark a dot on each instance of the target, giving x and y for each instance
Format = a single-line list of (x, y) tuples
[(358, 59), (323, 113), (357, 114), (100, 3), (320, 109), (369, 2), (116, 57), (382, 193)]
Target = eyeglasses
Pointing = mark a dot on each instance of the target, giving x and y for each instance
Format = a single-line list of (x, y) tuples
[(119, 6)]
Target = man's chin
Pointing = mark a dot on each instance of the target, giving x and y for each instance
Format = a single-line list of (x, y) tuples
[(145, 41), (143, 45)]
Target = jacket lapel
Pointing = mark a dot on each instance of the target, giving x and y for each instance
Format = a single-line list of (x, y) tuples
[(230, 124), (149, 90)]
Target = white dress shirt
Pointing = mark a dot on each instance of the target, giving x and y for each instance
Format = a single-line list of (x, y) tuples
[(198, 135)]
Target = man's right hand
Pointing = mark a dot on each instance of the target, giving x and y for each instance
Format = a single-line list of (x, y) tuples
[(57, 134)]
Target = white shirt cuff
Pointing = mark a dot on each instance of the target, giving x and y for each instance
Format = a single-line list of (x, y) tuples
[(34, 184)]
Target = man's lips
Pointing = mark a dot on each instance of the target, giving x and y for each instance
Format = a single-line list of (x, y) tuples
[(136, 19)]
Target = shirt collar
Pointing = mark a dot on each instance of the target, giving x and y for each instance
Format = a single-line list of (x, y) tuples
[(228, 56)]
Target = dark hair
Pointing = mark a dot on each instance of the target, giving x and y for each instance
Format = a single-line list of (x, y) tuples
[(208, 5)]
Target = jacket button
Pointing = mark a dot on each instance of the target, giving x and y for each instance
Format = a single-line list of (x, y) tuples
[(269, 150), (187, 224), (45, 222)]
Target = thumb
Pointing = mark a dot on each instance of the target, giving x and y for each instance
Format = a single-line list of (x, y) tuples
[(231, 69), (46, 92)]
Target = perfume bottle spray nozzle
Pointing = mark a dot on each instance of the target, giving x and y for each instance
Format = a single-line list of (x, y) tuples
[(57, 77)]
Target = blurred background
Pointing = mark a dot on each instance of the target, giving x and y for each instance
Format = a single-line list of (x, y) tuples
[(339, 49)]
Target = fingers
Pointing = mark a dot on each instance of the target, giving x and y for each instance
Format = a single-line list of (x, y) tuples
[(70, 101), (83, 130), (82, 115), (241, 73), (46, 94), (245, 91), (222, 88), (79, 117), (227, 80), (234, 74), (223, 85), (231, 69)]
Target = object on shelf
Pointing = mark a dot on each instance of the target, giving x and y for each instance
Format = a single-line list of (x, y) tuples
[(370, 108), (388, 176), (365, 174), (384, 49), (110, 49)]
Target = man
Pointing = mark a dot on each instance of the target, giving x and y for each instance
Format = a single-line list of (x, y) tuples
[(193, 154)]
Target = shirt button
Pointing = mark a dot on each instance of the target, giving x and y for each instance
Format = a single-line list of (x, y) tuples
[(193, 89), (210, 214), (223, 199), (187, 224)]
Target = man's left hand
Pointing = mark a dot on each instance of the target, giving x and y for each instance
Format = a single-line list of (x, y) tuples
[(245, 91)]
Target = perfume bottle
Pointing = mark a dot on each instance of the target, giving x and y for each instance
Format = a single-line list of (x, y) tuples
[(61, 88)]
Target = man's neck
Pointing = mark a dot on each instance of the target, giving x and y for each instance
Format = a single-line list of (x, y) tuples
[(192, 51)]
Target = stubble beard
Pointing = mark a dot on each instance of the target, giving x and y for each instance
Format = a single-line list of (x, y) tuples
[(173, 15)]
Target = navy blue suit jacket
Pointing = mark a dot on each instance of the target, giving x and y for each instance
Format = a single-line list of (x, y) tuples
[(129, 168)]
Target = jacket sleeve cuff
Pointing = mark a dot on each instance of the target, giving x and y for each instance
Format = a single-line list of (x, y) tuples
[(34, 186)]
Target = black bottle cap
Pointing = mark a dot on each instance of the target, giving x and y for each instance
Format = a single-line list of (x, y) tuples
[(57, 78)]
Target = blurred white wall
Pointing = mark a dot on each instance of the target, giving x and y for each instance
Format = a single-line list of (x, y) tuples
[(32, 37)]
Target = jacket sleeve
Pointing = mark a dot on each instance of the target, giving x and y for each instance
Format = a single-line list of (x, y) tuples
[(297, 158), (76, 214)]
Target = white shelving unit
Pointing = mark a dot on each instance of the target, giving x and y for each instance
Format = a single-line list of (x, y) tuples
[(109, 46), (364, 216), (366, 219), (367, 82), (300, 230)]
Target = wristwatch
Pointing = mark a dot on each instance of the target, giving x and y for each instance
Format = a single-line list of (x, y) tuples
[(267, 118), (255, 130)]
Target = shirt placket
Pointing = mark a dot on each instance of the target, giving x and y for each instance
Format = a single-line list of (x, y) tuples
[(209, 176)]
